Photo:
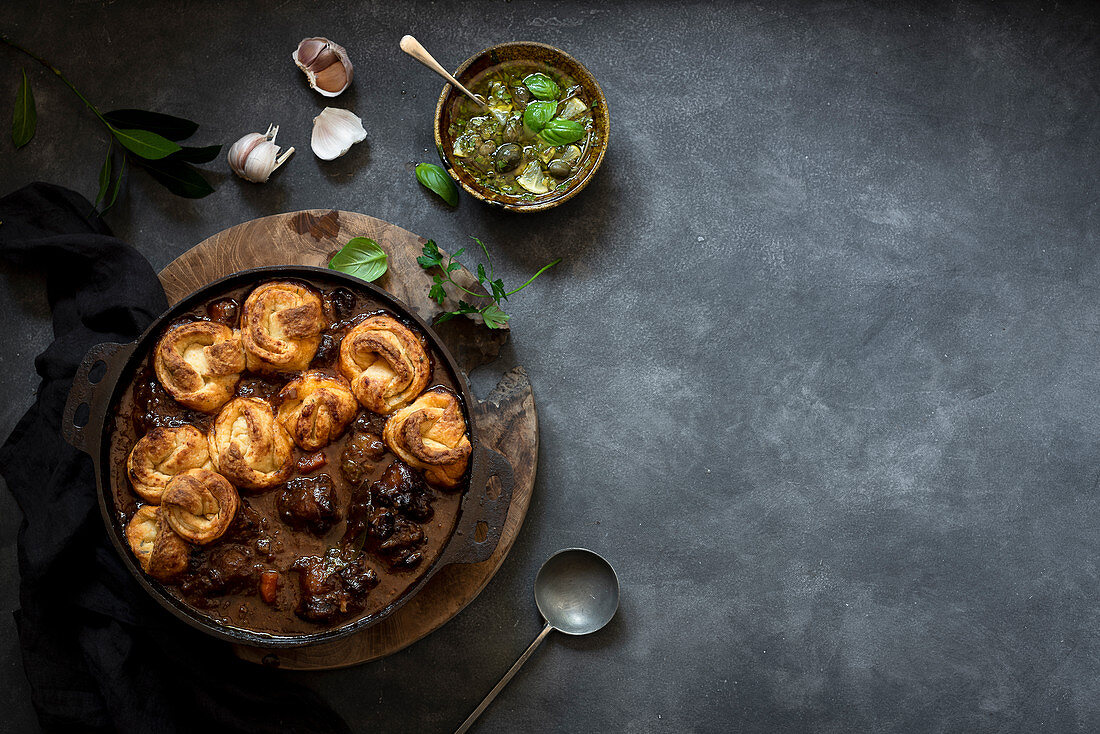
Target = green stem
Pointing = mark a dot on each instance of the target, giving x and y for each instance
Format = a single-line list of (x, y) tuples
[(487, 258), (60, 76), (544, 268), (447, 274), (465, 290)]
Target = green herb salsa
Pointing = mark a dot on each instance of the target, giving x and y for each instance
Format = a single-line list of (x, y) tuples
[(533, 141)]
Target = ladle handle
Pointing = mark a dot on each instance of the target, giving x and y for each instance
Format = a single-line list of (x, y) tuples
[(503, 681), (412, 47)]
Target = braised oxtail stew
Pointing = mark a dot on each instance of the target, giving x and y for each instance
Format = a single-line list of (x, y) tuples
[(288, 459)]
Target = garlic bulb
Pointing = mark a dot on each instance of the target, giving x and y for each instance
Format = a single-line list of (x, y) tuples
[(255, 156), (334, 132), (326, 65)]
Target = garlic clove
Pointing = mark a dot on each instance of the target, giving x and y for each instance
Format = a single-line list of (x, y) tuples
[(326, 65), (334, 132), (255, 156)]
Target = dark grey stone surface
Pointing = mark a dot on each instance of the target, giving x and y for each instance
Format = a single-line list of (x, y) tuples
[(818, 373)]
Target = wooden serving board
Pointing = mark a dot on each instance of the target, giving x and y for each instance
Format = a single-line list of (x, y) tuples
[(507, 420)]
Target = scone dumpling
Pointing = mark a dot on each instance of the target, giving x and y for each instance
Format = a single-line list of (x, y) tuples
[(385, 362), (199, 505), (200, 364), (161, 454), (281, 325), (431, 435), (160, 551), (315, 409), (248, 446)]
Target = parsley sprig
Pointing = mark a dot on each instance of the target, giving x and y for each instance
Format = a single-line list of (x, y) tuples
[(492, 313)]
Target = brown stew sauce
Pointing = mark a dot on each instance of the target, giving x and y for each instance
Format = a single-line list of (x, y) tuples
[(312, 516)]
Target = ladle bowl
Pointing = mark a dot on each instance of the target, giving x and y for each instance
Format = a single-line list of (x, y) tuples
[(577, 592)]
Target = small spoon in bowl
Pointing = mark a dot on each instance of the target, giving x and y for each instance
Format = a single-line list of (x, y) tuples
[(577, 592), (412, 47)]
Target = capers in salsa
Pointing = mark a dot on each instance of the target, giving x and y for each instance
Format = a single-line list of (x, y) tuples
[(533, 140)]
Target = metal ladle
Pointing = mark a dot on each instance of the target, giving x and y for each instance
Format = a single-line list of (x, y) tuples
[(577, 592)]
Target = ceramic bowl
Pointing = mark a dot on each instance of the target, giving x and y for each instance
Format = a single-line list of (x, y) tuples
[(538, 54)]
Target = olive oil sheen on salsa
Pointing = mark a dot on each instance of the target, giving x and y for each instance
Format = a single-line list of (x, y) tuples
[(535, 138)]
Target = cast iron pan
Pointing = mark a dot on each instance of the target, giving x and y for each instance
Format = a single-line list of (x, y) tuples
[(108, 369)]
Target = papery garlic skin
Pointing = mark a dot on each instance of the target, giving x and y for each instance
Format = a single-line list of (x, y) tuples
[(255, 156), (334, 132), (326, 65)]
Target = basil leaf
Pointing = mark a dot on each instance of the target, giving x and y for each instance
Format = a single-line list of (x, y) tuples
[(562, 132), (205, 154), (542, 86), (361, 257), (25, 118), (104, 177), (145, 144), (494, 317), (180, 178), (173, 128), (437, 180), (538, 114)]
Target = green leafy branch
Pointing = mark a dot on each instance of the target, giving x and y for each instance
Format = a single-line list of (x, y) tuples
[(147, 139), (492, 313)]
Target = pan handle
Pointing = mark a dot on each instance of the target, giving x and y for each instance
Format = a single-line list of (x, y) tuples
[(86, 435), (483, 514)]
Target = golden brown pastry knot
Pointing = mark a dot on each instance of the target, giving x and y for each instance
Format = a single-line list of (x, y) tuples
[(431, 435), (248, 446), (281, 326), (200, 364), (160, 551), (385, 363), (161, 454), (199, 505), (315, 409)]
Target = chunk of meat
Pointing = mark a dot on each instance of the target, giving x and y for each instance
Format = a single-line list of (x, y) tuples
[(361, 451), (327, 351), (250, 528), (155, 408), (369, 422), (408, 559), (333, 586), (381, 522), (385, 517), (309, 503), (404, 490), (247, 525), (226, 569), (339, 303)]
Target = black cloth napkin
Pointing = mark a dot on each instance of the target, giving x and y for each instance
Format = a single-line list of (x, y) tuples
[(100, 655)]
